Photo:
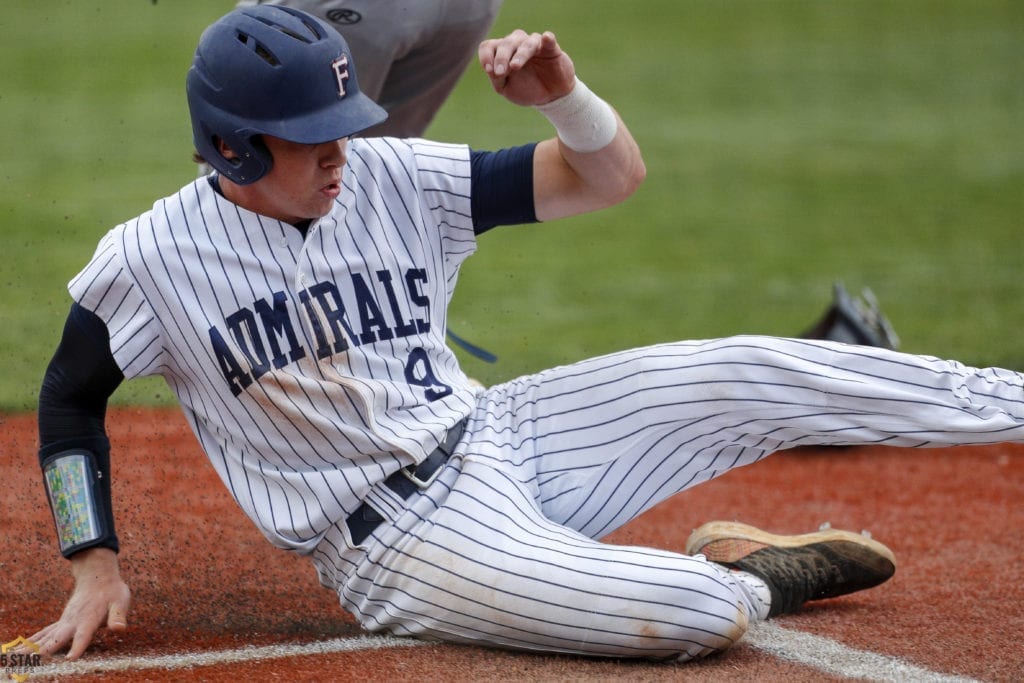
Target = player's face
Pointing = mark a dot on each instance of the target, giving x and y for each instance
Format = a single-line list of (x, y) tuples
[(303, 182)]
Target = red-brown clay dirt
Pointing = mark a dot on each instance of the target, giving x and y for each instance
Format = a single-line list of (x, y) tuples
[(203, 578)]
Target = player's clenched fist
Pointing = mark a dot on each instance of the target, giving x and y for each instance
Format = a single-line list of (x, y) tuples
[(527, 68)]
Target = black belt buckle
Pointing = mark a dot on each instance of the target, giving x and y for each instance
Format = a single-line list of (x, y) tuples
[(432, 463), (404, 482)]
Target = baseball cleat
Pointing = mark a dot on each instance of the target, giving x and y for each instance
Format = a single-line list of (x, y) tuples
[(814, 566)]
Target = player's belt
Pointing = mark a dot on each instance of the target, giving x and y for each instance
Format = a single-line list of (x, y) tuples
[(405, 482)]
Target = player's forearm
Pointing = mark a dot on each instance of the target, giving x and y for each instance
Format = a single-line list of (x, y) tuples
[(568, 182)]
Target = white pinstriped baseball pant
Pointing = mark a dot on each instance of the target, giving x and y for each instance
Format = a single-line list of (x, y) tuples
[(500, 550)]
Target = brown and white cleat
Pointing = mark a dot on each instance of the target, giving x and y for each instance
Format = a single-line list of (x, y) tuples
[(799, 568)]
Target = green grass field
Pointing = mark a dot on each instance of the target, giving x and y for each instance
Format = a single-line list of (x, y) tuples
[(788, 143)]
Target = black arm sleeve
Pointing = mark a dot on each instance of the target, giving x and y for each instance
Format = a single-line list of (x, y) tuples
[(73, 399), (502, 187)]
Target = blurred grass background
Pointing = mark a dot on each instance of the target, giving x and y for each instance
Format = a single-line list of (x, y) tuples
[(789, 144)]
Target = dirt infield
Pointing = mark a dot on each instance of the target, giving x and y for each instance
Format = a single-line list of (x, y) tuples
[(204, 580)]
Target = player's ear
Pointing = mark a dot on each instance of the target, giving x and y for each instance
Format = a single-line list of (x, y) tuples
[(224, 150)]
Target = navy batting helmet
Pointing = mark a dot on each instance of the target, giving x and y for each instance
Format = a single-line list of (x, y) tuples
[(276, 71)]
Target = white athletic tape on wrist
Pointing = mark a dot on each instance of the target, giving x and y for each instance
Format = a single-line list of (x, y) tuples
[(71, 487), (584, 122)]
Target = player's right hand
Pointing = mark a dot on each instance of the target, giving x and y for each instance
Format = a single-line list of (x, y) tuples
[(100, 598), (527, 68)]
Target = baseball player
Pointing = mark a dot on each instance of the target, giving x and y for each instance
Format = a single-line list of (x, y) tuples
[(410, 54), (295, 301)]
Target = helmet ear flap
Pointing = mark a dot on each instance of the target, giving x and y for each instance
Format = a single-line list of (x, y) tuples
[(260, 160), (251, 160)]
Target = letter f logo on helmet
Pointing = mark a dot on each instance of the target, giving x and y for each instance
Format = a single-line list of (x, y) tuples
[(340, 66)]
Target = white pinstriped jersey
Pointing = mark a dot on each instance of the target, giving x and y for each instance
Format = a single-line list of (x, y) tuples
[(311, 368)]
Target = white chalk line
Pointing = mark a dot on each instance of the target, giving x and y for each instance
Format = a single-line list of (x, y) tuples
[(835, 658), (798, 647), (188, 660)]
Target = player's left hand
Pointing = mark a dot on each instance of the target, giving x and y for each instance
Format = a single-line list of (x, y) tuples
[(527, 68)]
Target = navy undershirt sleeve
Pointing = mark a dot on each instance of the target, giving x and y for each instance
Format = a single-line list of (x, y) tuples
[(502, 187), (73, 399)]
